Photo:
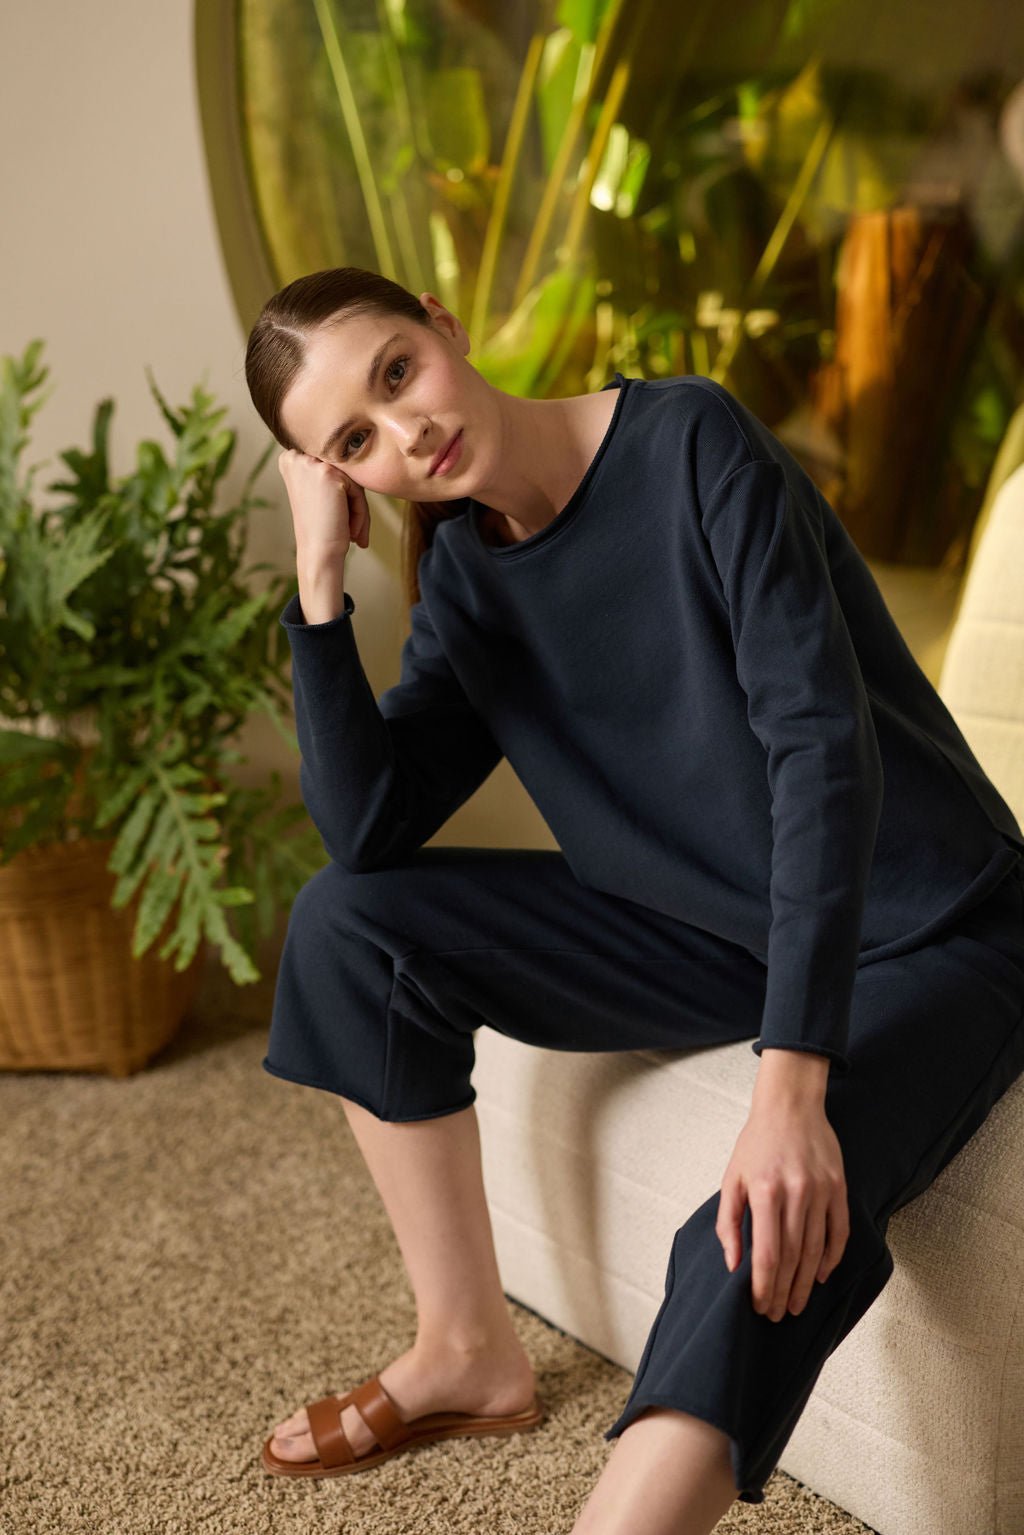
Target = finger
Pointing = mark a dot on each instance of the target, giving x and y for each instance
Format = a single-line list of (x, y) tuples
[(359, 519), (810, 1259), (355, 502), (765, 1217), (793, 1225), (729, 1222), (838, 1231), (364, 515), (355, 495)]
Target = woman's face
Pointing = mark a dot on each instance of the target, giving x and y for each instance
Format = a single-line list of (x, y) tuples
[(423, 392)]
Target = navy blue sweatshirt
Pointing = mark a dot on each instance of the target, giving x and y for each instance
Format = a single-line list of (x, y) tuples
[(696, 678)]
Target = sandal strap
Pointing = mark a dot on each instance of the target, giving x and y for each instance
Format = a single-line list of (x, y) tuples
[(330, 1438), (379, 1413)]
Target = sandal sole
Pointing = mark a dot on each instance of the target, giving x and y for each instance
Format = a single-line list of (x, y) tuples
[(434, 1426)]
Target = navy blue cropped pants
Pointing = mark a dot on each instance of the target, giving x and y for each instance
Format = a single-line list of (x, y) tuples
[(385, 976)]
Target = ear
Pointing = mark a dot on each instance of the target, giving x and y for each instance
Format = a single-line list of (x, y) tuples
[(444, 318), (432, 304)]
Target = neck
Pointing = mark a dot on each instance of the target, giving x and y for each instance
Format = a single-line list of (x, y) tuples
[(547, 446)]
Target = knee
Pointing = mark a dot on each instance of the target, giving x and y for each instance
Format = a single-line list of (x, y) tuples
[(307, 919), (865, 1250), (332, 898)]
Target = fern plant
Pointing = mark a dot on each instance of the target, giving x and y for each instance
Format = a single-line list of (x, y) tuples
[(132, 649)]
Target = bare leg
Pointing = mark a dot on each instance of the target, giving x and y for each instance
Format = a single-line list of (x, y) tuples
[(467, 1356), (669, 1474)]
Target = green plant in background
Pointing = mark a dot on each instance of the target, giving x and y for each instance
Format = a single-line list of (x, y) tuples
[(132, 649), (595, 185)]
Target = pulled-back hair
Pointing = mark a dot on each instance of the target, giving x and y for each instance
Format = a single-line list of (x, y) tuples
[(276, 353)]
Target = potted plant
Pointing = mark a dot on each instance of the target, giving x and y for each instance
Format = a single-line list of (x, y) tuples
[(132, 650)]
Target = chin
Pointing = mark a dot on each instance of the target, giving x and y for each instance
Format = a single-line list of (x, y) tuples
[(438, 500)]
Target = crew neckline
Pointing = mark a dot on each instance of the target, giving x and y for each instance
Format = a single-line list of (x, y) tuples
[(562, 519)]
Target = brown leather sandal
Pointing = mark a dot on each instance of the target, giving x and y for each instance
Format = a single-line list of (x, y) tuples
[(392, 1433)]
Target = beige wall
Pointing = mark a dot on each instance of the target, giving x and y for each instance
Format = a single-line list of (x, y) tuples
[(110, 253)]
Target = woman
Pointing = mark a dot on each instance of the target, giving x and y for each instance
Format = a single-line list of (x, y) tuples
[(768, 825)]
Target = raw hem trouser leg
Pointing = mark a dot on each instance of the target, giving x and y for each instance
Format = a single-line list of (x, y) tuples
[(936, 1038), (386, 975)]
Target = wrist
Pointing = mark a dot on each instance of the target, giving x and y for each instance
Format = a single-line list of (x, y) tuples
[(794, 1075), (316, 566), (321, 591)]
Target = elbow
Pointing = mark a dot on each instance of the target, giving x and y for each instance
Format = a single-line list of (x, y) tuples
[(362, 858), (874, 772), (853, 743), (865, 792), (360, 831), (359, 857)]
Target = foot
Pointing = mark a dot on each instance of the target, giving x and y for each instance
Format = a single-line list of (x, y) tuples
[(418, 1382)]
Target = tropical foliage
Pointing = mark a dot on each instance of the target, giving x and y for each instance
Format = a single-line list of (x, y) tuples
[(132, 649), (756, 191)]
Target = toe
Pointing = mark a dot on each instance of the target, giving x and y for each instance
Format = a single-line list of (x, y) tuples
[(292, 1439), (294, 1447), (289, 1429)]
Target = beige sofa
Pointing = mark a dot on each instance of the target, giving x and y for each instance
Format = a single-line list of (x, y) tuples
[(916, 1423)]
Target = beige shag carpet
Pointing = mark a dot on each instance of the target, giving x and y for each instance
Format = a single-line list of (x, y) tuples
[(191, 1253)]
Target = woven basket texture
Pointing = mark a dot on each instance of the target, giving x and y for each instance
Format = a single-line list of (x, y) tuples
[(73, 997)]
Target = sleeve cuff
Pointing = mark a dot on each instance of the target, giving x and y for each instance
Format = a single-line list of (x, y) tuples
[(291, 615), (840, 1062)]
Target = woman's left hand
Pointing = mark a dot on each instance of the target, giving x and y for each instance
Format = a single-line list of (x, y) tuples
[(787, 1162)]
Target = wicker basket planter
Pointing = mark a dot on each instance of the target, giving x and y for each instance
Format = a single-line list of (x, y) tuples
[(73, 998)]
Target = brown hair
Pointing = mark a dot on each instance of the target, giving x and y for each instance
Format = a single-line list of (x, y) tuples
[(276, 353)]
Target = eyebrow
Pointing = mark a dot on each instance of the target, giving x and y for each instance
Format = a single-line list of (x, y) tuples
[(371, 381)]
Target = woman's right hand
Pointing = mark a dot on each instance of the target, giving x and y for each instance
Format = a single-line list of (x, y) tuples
[(329, 511)]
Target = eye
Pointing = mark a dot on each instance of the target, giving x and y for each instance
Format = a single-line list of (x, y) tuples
[(393, 364)]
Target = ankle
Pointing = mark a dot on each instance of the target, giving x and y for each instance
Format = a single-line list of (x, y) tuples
[(465, 1348)]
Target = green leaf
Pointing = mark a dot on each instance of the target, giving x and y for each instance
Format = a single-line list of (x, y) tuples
[(159, 895), (111, 805), (133, 831), (457, 119), (186, 936), (18, 746), (76, 558), (582, 17)]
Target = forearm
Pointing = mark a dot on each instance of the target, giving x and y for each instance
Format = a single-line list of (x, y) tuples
[(378, 777), (350, 778)]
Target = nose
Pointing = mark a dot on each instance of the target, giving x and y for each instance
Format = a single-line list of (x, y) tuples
[(417, 437)]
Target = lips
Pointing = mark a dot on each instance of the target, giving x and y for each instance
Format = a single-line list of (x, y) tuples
[(443, 453)]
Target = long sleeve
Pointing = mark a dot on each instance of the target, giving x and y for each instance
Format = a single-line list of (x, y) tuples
[(807, 705), (379, 779)]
